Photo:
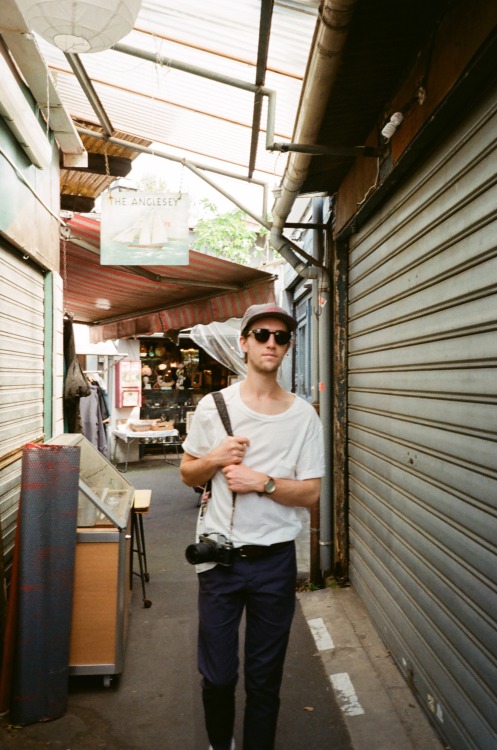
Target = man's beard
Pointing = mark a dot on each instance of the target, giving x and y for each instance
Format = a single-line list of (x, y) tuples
[(260, 369)]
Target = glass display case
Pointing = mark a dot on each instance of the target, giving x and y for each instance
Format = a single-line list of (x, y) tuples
[(102, 583), (171, 406), (174, 379)]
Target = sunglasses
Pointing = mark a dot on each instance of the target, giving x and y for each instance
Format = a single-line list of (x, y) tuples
[(262, 336)]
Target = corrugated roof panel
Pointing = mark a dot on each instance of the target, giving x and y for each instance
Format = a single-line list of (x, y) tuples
[(200, 117), (290, 41), (176, 88), (231, 28), (199, 136)]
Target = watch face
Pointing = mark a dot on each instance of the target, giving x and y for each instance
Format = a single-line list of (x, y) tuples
[(269, 486)]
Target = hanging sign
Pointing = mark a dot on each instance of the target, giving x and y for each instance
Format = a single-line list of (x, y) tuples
[(144, 229)]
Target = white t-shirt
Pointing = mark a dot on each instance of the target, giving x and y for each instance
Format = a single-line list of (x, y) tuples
[(287, 446)]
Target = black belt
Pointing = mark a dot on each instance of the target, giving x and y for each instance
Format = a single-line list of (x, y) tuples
[(259, 550)]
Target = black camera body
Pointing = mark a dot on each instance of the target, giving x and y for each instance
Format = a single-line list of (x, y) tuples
[(211, 548)]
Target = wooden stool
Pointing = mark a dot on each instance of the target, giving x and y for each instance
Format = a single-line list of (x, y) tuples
[(141, 505)]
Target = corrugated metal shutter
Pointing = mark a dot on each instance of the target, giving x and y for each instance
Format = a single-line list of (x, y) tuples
[(422, 429), (21, 378)]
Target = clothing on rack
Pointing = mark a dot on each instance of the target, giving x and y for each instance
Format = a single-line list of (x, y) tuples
[(76, 384), (95, 379), (92, 419)]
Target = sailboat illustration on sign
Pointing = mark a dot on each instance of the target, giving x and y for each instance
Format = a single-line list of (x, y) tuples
[(144, 229), (150, 230)]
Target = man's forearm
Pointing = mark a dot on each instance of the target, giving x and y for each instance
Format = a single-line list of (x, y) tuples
[(296, 493), (292, 492), (197, 471)]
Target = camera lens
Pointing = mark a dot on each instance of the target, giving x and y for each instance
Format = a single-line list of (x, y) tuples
[(199, 553)]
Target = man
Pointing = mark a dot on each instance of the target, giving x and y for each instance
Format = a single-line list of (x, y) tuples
[(271, 465)]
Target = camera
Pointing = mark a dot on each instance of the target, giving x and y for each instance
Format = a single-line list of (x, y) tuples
[(210, 548)]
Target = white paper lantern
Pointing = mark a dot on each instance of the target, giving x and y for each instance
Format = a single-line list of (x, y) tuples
[(80, 25)]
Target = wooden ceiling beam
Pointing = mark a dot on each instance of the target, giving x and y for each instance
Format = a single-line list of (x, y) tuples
[(118, 166), (79, 204)]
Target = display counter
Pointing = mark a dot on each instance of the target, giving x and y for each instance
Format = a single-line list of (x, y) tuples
[(163, 437), (102, 588)]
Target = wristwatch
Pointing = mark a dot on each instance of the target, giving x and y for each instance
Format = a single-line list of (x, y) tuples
[(270, 486)]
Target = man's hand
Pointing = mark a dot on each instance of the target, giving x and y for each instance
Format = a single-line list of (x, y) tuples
[(231, 451), (197, 471), (291, 492), (241, 479)]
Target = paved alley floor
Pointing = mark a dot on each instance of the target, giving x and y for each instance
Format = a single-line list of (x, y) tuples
[(155, 704)]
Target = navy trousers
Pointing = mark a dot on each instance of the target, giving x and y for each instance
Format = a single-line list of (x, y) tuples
[(265, 589)]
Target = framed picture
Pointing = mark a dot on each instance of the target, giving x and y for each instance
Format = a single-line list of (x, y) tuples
[(128, 381), (197, 380), (130, 398)]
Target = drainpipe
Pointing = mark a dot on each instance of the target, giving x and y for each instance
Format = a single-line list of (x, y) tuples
[(325, 322), (317, 509), (329, 41), (324, 62)]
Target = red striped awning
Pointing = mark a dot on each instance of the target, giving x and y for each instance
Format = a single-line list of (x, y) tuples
[(122, 302)]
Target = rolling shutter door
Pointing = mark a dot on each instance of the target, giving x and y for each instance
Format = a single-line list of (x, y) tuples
[(21, 378), (422, 428)]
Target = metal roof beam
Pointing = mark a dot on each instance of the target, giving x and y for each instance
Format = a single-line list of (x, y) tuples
[(89, 91), (196, 169), (212, 76), (260, 77)]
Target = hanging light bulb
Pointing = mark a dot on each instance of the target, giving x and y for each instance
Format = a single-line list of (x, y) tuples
[(80, 25), (392, 125)]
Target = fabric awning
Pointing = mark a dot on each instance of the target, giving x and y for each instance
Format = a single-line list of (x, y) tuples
[(122, 302)]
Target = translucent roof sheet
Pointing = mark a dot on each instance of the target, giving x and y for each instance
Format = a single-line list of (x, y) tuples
[(178, 110)]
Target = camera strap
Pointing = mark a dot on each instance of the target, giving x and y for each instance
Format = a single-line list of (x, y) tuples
[(223, 411), (225, 419)]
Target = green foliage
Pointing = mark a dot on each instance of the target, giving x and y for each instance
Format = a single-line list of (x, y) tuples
[(227, 235)]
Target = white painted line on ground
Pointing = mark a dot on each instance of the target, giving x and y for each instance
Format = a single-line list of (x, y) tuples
[(345, 694), (320, 634)]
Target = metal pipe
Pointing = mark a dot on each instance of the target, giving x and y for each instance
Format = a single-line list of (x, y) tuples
[(325, 409), (260, 77), (315, 515), (285, 248), (324, 62), (193, 69), (89, 91), (259, 219), (334, 15), (152, 152), (328, 43), (320, 150), (193, 167)]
